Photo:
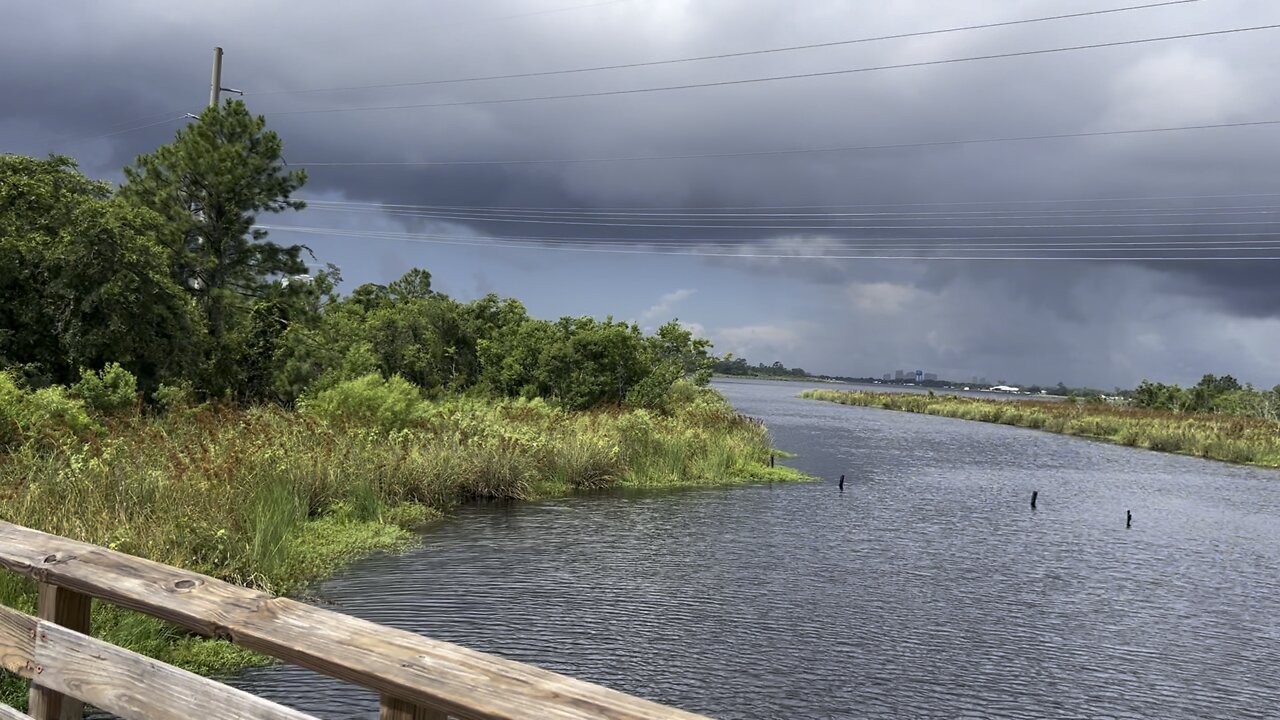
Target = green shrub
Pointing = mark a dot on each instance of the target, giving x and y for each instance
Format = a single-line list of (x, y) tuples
[(386, 404), (10, 411), (46, 416), (110, 391), (172, 398)]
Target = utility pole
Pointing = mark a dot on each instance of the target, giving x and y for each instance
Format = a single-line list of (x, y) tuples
[(215, 85)]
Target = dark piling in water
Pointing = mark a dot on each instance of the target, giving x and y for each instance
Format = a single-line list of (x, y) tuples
[(1034, 494), (841, 483), (1128, 519)]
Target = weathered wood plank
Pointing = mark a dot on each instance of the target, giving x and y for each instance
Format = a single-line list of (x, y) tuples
[(8, 713), (428, 673), (70, 610), (395, 709), (17, 642), (135, 686)]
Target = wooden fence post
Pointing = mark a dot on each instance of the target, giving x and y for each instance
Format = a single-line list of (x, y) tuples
[(70, 610), (397, 709)]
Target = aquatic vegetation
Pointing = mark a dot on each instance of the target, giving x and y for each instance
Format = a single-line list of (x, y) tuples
[(1217, 436)]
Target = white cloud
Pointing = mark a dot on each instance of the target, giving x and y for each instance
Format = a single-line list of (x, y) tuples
[(698, 329), (1177, 87), (665, 307), (757, 342), (884, 298)]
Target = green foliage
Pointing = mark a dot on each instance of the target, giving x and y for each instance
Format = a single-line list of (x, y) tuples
[(414, 285), (424, 339), (438, 344), (87, 279), (583, 363), (172, 398), (207, 187), (1212, 394), (738, 366), (372, 401), (110, 391), (49, 416)]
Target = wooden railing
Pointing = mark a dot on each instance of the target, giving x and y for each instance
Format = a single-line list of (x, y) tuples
[(418, 678)]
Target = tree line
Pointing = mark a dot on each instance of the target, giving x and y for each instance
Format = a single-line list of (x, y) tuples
[(1213, 394), (738, 366), (168, 278)]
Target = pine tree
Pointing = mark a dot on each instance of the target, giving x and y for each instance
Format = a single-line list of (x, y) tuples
[(209, 184)]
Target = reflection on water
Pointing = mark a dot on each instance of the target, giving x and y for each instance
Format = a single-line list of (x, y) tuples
[(927, 589)]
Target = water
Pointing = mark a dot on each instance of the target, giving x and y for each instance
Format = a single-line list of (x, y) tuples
[(927, 589), (978, 392)]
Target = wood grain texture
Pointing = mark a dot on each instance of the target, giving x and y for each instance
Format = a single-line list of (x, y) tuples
[(70, 610), (394, 709), (17, 642), (8, 713), (134, 686), (429, 673)]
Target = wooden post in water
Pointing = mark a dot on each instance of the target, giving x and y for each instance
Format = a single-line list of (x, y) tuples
[(1034, 494), (70, 610), (1128, 519), (841, 483)]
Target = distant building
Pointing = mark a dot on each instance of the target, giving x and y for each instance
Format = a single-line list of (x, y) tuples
[(929, 377), (899, 375), (888, 377)]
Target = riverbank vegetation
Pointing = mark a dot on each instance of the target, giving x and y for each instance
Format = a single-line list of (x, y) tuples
[(1218, 436), (176, 386), (1213, 394)]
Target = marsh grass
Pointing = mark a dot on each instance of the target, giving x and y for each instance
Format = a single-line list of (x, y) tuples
[(276, 499), (1231, 438)]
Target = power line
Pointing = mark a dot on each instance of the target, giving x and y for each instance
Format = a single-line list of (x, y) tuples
[(801, 151), (1267, 240), (463, 240), (472, 217), (134, 128), (1243, 237), (944, 203), (918, 215), (723, 56), (777, 78)]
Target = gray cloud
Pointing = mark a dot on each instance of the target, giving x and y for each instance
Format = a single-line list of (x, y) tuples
[(82, 69)]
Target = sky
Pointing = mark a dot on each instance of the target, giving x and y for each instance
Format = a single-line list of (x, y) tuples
[(965, 259)]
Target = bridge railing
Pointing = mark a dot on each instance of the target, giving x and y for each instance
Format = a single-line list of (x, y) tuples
[(417, 678)]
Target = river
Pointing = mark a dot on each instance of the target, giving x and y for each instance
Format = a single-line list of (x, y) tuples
[(928, 588)]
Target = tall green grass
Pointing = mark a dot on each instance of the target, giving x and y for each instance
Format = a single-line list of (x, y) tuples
[(1230, 438), (275, 499)]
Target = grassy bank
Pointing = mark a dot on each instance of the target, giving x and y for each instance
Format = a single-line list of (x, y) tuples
[(276, 499), (1234, 439)]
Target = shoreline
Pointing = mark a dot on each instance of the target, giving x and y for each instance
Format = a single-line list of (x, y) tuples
[(1226, 438), (281, 501)]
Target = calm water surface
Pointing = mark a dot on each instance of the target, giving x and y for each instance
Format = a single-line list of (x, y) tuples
[(927, 589)]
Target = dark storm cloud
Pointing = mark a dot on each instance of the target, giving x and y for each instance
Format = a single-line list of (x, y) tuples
[(80, 69)]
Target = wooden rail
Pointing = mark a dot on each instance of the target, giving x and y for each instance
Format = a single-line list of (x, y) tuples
[(418, 678)]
